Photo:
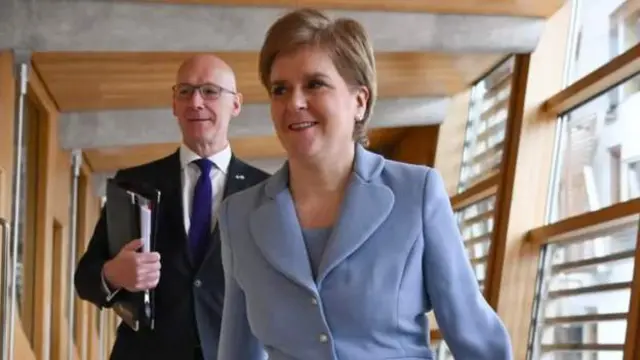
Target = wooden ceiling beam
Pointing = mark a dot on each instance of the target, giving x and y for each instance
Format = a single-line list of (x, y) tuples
[(82, 81), (533, 8)]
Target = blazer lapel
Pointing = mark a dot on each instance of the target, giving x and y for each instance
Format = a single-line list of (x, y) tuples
[(276, 230), (171, 201), (365, 207), (236, 181)]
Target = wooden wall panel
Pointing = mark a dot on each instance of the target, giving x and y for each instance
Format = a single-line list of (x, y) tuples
[(22, 349), (53, 189), (45, 198), (417, 145), (60, 287), (7, 105), (57, 333), (85, 224), (33, 209), (514, 296), (7, 98), (92, 214), (112, 159), (506, 178), (451, 141), (93, 344), (383, 141)]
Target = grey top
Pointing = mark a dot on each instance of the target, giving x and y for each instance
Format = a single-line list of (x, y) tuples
[(315, 240)]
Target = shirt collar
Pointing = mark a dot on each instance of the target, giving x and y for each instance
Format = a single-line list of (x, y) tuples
[(221, 159)]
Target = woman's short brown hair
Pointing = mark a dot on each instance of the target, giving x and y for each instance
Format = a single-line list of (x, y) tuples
[(346, 42)]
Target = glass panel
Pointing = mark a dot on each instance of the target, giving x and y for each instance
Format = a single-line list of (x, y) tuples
[(481, 271), (583, 277), (586, 291), (592, 247), (586, 333), (596, 303), (633, 179), (598, 165), (476, 225), (484, 137), (584, 355), (605, 29), (479, 250)]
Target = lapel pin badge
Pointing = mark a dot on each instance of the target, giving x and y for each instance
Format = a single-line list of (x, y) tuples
[(239, 176)]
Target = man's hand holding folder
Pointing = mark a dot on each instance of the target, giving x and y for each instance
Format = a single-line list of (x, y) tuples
[(132, 270)]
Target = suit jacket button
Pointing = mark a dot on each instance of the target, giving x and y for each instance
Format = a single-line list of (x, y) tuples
[(197, 283), (323, 338), (314, 301)]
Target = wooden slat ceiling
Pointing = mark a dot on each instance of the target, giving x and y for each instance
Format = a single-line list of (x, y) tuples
[(98, 81), (111, 159), (538, 8)]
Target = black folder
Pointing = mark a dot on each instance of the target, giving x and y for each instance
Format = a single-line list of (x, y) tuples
[(130, 205)]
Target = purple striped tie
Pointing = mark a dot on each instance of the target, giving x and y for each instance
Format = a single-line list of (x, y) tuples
[(200, 228)]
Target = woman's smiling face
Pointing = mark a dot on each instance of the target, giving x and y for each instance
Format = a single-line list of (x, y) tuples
[(313, 108)]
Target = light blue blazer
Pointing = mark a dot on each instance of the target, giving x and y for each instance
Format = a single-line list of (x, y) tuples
[(395, 254)]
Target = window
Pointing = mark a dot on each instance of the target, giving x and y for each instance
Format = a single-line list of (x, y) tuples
[(624, 27), (476, 225), (484, 135), (584, 285), (632, 177), (596, 155), (606, 29), (584, 294), (615, 172)]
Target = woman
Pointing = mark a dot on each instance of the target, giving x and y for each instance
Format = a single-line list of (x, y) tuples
[(342, 253)]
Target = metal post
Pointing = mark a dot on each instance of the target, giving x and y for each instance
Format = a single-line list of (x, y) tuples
[(76, 163), (21, 60)]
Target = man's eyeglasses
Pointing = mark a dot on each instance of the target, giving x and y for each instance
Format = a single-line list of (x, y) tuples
[(207, 91)]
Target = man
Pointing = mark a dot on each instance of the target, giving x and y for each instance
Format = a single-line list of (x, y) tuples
[(186, 270)]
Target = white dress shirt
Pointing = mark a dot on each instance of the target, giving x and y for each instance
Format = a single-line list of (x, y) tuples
[(189, 175)]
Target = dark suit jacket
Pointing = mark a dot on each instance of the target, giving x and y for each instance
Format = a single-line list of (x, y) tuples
[(188, 299)]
